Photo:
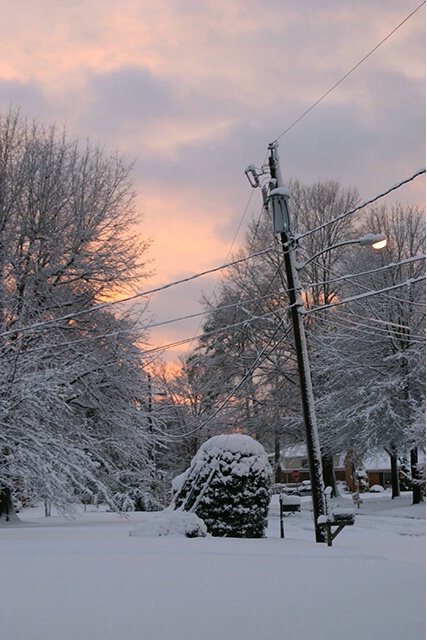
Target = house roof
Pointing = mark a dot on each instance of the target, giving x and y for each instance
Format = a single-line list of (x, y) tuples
[(299, 450), (379, 461)]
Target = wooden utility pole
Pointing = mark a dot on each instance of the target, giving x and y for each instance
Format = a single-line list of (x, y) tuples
[(282, 226)]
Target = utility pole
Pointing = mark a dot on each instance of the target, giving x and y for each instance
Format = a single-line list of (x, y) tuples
[(279, 197)]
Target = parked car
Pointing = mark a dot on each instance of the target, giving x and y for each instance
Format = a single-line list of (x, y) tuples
[(299, 489), (305, 487)]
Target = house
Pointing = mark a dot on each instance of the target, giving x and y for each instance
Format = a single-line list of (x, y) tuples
[(294, 458), (374, 469)]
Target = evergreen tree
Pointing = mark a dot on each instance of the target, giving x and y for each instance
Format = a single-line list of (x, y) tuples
[(227, 486)]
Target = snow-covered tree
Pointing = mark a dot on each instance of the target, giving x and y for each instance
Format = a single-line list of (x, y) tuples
[(186, 398), (370, 365), (73, 391), (227, 486), (247, 336)]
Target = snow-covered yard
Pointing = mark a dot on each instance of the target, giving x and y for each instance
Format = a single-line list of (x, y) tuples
[(88, 579)]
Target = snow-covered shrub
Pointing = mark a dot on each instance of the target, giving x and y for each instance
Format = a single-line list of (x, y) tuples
[(136, 500), (124, 502), (376, 488), (277, 488), (172, 523), (228, 486)]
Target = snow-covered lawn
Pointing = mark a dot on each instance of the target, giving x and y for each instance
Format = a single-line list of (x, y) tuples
[(89, 580)]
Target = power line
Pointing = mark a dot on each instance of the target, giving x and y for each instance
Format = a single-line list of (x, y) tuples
[(239, 303), (207, 334), (142, 294), (334, 87), (261, 356), (349, 72), (155, 325), (136, 296), (364, 204), (349, 276), (367, 294), (390, 329)]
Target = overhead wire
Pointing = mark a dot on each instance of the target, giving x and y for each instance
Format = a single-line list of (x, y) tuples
[(359, 323), (283, 309), (239, 304), (367, 294), (349, 276), (283, 292), (324, 96), (259, 359), (229, 251), (378, 270), (261, 354), (346, 75), (184, 280), (364, 204), (135, 296), (276, 294)]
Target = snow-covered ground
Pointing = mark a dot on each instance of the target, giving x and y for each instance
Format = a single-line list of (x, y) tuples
[(88, 579)]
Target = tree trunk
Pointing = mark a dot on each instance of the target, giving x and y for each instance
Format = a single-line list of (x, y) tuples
[(6, 505), (277, 469), (329, 474), (416, 487), (395, 486)]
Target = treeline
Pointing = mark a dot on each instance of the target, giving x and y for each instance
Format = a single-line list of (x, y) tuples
[(365, 323)]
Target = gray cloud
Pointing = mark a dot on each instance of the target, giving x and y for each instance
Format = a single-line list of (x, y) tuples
[(28, 96), (125, 97)]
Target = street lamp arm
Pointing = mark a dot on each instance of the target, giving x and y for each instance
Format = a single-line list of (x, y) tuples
[(370, 239)]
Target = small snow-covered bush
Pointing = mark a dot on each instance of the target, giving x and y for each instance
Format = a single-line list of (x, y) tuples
[(376, 488), (228, 486), (172, 523), (136, 500), (277, 488), (124, 502)]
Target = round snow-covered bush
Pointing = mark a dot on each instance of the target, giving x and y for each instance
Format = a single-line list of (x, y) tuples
[(228, 486)]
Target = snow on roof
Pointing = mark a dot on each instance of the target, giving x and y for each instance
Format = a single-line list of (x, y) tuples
[(375, 461)]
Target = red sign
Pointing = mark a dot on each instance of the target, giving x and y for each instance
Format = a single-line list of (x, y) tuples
[(295, 475)]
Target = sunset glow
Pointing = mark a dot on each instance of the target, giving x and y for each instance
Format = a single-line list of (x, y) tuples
[(194, 91)]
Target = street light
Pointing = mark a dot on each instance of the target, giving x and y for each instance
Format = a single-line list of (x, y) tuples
[(375, 240)]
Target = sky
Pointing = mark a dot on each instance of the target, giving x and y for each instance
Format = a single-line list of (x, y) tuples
[(193, 91)]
